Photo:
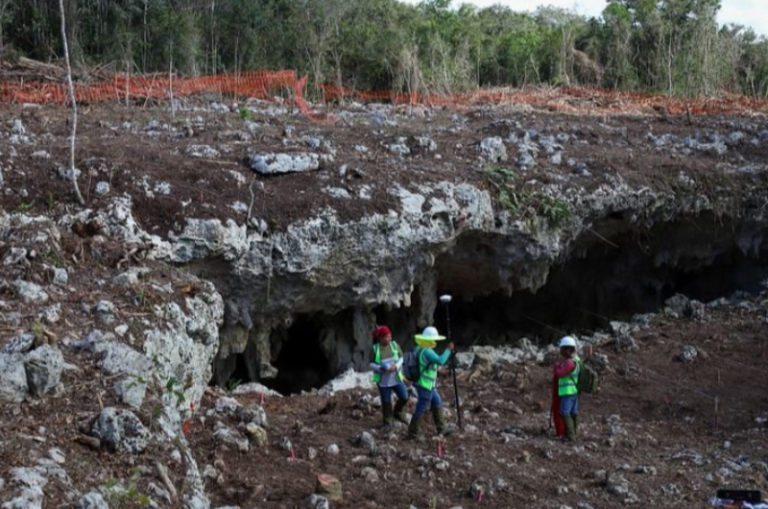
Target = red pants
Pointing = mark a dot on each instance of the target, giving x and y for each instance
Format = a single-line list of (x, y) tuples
[(555, 410)]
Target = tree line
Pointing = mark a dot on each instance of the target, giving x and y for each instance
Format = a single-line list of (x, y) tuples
[(660, 46)]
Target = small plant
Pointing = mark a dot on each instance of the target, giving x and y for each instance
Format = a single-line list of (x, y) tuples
[(245, 113), (527, 206), (139, 298), (555, 210), (38, 329), (233, 383), (170, 387), (125, 496), (25, 206)]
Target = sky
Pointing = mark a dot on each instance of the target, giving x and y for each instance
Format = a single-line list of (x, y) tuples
[(749, 13)]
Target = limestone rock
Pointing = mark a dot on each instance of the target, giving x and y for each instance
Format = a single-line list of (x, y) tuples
[(43, 367), (272, 164), (29, 292), (315, 501), (229, 436), (20, 343), (493, 149), (13, 378), (92, 500), (349, 379), (120, 429), (257, 434), (131, 390)]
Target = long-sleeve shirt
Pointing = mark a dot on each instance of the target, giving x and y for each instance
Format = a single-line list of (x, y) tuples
[(388, 378), (432, 357), (564, 368)]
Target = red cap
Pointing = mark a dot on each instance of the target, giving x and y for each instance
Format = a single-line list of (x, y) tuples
[(380, 332)]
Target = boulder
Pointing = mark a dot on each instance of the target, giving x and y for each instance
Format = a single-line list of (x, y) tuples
[(120, 429), (273, 164), (43, 367), (493, 150), (13, 378)]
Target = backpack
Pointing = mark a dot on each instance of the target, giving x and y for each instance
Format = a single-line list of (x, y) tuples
[(411, 368), (589, 381)]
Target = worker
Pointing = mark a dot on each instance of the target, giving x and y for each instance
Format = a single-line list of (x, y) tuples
[(387, 375), (566, 396), (426, 384)]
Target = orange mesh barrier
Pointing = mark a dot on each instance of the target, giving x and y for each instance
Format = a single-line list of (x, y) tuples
[(298, 97), (261, 84), (563, 100), (249, 84)]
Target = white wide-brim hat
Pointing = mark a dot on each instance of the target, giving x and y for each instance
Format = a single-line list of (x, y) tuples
[(428, 334)]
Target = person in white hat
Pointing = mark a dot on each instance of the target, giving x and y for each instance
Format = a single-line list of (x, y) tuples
[(426, 384), (566, 404)]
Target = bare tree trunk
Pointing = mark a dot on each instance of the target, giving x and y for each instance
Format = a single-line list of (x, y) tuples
[(3, 5), (213, 37), (170, 81), (73, 103), (237, 61), (144, 48)]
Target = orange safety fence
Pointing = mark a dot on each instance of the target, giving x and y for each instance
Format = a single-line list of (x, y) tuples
[(261, 84), (249, 84), (563, 100)]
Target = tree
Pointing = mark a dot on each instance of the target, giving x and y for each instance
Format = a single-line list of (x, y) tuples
[(617, 48), (73, 104)]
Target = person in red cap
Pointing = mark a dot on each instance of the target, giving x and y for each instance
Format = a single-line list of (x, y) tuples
[(387, 375)]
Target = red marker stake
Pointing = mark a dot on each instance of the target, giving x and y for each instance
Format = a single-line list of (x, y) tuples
[(439, 449), (261, 398), (479, 496), (293, 454)]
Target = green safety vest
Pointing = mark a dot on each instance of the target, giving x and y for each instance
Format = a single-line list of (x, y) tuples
[(377, 360), (566, 386), (428, 372)]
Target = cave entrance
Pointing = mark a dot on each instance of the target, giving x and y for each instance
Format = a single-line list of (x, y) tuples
[(302, 365), (603, 280)]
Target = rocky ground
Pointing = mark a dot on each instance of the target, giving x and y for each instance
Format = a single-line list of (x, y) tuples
[(681, 412), (110, 325)]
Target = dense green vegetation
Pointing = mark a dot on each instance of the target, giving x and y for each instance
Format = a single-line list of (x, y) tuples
[(669, 46)]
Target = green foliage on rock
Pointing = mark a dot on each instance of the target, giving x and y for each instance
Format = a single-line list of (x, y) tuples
[(533, 207)]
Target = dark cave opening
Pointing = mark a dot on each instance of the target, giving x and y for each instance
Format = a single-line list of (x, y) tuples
[(302, 365), (609, 280), (240, 373)]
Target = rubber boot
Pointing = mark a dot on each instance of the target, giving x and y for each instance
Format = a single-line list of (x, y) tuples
[(570, 434), (575, 418), (386, 411), (400, 410), (413, 427), (442, 429)]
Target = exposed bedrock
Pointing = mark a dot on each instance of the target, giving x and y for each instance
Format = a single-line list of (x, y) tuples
[(300, 303)]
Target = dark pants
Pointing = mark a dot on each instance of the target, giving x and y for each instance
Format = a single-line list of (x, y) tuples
[(427, 398), (569, 405), (399, 389)]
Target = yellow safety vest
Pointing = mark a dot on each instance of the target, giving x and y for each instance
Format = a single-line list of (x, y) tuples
[(428, 372), (377, 360), (566, 386)]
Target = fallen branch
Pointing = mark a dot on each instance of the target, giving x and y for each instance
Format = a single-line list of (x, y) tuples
[(163, 473)]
